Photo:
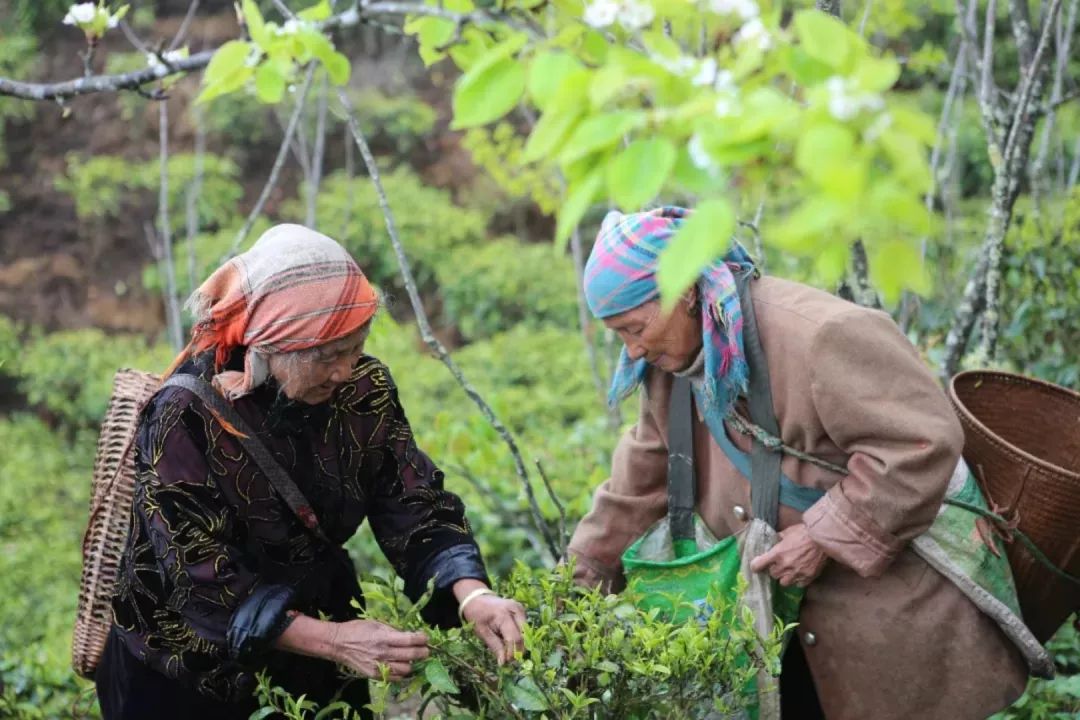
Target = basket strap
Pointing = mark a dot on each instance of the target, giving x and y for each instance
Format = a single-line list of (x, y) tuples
[(764, 465), (276, 474), (681, 479)]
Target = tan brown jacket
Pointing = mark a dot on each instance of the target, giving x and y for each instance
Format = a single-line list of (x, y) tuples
[(885, 636)]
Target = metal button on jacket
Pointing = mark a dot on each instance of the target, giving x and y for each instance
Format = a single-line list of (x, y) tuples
[(740, 512), (810, 639)]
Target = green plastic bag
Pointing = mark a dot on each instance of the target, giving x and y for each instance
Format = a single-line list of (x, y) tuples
[(679, 577)]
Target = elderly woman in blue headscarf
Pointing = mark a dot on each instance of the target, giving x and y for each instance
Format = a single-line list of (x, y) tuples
[(881, 633)]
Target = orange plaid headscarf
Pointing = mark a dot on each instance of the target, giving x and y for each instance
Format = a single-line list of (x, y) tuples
[(294, 289)]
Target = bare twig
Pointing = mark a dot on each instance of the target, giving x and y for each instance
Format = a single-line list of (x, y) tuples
[(172, 302), (279, 161), (350, 173), (563, 537), (181, 33), (425, 327), (315, 179), (614, 415), (194, 191), (865, 17), (1066, 25)]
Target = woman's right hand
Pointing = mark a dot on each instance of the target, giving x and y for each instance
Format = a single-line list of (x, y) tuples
[(365, 645)]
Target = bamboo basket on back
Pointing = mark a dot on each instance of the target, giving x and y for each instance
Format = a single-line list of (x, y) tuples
[(1022, 440), (110, 516)]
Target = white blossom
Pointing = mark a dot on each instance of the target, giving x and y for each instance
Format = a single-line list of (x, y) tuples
[(745, 9), (601, 13), (171, 58), (114, 20), (845, 104), (725, 82), (80, 14), (681, 65), (706, 75), (725, 106), (635, 15), (754, 31), (700, 157)]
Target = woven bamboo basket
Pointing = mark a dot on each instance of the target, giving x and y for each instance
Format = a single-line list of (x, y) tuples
[(110, 516), (1022, 440)]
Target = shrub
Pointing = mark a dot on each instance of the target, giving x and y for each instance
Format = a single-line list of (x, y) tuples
[(43, 504), (504, 284), (429, 223), (70, 373), (398, 122), (103, 186), (586, 654)]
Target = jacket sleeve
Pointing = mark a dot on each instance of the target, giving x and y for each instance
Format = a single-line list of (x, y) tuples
[(226, 611), (879, 403), (420, 526), (624, 506)]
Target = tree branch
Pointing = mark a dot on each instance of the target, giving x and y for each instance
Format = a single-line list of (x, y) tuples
[(172, 304), (358, 12), (425, 327), (317, 154), (279, 162), (185, 25), (102, 83), (194, 192)]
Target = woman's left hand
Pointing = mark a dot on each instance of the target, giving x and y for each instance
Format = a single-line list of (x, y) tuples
[(795, 560), (499, 623)]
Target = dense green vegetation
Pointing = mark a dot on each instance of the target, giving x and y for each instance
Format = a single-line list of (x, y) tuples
[(470, 208)]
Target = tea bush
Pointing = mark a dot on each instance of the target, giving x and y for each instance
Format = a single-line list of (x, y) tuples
[(505, 284), (429, 223), (586, 655)]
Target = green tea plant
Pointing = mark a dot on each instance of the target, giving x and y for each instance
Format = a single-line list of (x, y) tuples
[(429, 222), (586, 655), (104, 186), (504, 284)]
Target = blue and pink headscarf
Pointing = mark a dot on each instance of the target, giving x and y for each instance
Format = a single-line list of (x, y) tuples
[(621, 275)]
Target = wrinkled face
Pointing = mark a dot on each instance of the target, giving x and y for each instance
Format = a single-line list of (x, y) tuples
[(670, 341), (312, 376)]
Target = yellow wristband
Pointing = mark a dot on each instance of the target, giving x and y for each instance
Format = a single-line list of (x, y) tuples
[(469, 598)]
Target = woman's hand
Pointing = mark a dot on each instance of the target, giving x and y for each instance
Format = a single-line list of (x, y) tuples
[(366, 645), (795, 560), (498, 622)]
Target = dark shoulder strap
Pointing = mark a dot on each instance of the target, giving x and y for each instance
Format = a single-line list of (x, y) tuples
[(276, 474), (764, 465), (681, 481)]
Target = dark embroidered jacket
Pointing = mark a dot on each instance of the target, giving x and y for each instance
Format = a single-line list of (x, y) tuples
[(215, 558)]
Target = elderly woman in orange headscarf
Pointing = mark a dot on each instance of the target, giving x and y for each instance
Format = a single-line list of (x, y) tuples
[(224, 572)]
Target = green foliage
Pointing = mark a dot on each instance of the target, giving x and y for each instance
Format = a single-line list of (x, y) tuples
[(241, 125), (399, 122), (429, 223), (854, 156), (503, 284), (70, 373), (1041, 290), (211, 250), (17, 52), (31, 16), (586, 654), (1058, 698), (43, 506), (103, 186), (499, 150), (273, 59)]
